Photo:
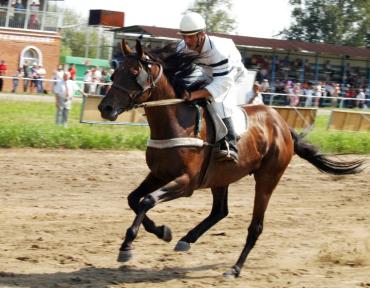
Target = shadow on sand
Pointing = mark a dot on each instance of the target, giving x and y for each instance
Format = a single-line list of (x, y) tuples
[(100, 277)]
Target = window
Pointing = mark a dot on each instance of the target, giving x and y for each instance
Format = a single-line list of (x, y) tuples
[(32, 55)]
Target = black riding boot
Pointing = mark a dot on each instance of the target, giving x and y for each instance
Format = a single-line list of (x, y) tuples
[(227, 147)]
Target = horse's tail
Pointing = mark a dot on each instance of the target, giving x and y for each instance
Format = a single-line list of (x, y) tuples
[(312, 154)]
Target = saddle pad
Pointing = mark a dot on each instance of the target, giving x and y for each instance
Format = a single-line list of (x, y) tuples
[(240, 120)]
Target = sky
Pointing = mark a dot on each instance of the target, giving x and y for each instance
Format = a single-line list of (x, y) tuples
[(255, 18)]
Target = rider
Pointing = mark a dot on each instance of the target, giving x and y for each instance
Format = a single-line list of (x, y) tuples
[(221, 61)]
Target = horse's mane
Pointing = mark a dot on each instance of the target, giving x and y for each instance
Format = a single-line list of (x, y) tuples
[(178, 66)]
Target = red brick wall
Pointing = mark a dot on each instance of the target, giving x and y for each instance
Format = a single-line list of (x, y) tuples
[(12, 43)]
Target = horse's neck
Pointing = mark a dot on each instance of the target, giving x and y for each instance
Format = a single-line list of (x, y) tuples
[(163, 90)]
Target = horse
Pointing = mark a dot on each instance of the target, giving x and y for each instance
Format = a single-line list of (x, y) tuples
[(182, 137)]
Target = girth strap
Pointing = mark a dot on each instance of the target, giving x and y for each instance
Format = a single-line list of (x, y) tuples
[(177, 142)]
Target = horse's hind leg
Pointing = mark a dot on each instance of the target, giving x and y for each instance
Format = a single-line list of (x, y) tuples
[(149, 185), (218, 212), (265, 184)]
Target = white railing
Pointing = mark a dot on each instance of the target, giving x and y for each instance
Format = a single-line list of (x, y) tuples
[(82, 84), (334, 101)]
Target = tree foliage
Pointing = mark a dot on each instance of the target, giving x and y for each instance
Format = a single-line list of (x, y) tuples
[(342, 22), (75, 38), (216, 13)]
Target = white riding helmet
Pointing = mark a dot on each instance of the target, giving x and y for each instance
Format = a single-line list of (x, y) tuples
[(192, 23)]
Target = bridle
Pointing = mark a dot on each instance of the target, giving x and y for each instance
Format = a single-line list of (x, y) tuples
[(144, 79)]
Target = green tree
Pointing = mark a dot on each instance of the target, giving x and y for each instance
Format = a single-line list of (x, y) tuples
[(74, 38), (216, 14), (343, 22)]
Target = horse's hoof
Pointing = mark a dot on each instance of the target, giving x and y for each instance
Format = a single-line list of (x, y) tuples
[(125, 256), (231, 274), (182, 246), (167, 234)]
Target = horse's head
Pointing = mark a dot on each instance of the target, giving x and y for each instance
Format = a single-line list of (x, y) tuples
[(133, 82)]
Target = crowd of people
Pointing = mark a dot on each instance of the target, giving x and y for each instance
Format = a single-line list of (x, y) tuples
[(289, 72), (97, 81), (64, 85), (319, 94)]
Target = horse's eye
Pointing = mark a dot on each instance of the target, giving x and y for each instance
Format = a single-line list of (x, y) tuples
[(134, 71)]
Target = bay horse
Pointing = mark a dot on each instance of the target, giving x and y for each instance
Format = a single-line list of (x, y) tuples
[(179, 152)]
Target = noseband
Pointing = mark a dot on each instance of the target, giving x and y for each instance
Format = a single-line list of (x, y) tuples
[(144, 80)]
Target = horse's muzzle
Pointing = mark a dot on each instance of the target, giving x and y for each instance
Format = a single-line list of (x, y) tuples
[(108, 112)]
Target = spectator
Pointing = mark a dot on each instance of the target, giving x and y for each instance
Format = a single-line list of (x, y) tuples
[(96, 76), (336, 94), (294, 99), (18, 5), (64, 91), (317, 93), (34, 77), (18, 75), (351, 94), (104, 80), (72, 70), (288, 89), (308, 92), (27, 75), (265, 86), (34, 19), (41, 72), (256, 96), (58, 76), (361, 99), (3, 70), (19, 14), (87, 81)]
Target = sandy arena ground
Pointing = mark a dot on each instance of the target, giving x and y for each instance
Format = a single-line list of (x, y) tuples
[(63, 214)]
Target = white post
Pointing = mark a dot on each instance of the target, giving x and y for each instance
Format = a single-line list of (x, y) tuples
[(87, 38), (43, 10), (8, 13)]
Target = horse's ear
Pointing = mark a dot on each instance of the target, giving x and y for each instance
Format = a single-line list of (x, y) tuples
[(139, 49), (125, 49)]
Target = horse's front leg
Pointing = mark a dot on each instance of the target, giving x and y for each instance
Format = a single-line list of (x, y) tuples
[(218, 212), (150, 184), (177, 188)]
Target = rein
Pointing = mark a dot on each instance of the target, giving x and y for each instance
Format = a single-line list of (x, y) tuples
[(163, 102)]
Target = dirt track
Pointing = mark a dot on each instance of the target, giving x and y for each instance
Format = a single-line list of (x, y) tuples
[(63, 214)]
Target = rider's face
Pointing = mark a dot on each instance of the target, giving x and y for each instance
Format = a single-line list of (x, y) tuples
[(194, 42)]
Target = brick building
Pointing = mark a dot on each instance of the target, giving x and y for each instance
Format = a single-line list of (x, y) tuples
[(29, 34)]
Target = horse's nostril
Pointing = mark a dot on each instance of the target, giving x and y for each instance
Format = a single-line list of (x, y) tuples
[(107, 109)]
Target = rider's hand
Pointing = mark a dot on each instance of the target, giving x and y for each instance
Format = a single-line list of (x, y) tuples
[(187, 96)]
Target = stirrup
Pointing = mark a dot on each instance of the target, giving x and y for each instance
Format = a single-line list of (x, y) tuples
[(226, 154)]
